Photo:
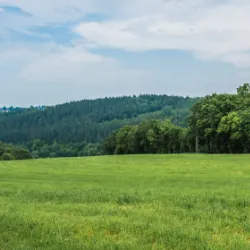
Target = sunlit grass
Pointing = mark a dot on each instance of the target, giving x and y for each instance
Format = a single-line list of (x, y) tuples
[(126, 202)]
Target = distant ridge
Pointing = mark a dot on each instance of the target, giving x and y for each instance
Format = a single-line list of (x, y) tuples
[(89, 121), (14, 109)]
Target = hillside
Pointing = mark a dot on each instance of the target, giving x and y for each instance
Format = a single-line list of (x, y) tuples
[(90, 121), (219, 123), (19, 109)]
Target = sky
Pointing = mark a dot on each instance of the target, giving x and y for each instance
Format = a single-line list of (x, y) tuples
[(64, 50)]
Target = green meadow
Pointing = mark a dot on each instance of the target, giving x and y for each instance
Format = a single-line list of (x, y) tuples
[(126, 202)]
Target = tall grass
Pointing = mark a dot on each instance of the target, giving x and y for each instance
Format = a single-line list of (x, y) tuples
[(126, 202)]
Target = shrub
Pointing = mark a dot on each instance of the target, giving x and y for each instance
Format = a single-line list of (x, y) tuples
[(7, 157), (22, 153), (2, 150)]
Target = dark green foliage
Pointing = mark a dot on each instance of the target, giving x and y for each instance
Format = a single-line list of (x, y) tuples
[(11, 152), (217, 124), (40, 149), (7, 157), (222, 122), (90, 121), (149, 137), (2, 150), (21, 153)]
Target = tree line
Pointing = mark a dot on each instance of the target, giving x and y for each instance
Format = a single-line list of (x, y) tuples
[(12, 152), (90, 121), (219, 123), (149, 137), (38, 149)]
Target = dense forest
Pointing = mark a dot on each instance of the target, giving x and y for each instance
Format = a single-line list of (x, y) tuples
[(219, 123), (11, 152), (18, 109), (90, 121), (149, 137)]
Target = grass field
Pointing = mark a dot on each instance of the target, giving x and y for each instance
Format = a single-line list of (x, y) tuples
[(126, 202)]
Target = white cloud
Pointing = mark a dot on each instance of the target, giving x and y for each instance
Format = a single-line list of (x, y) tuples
[(221, 33), (210, 29), (65, 10), (37, 73), (62, 65), (56, 10), (51, 74), (11, 21)]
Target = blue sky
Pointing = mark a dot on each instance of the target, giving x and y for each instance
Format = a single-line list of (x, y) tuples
[(57, 51)]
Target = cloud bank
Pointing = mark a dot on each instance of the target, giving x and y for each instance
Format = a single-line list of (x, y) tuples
[(61, 50)]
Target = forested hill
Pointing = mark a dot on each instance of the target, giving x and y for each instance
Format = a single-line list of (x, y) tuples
[(18, 109), (219, 123), (90, 121)]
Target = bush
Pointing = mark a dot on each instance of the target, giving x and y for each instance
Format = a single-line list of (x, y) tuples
[(2, 150), (35, 154), (52, 155), (22, 153), (7, 157)]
